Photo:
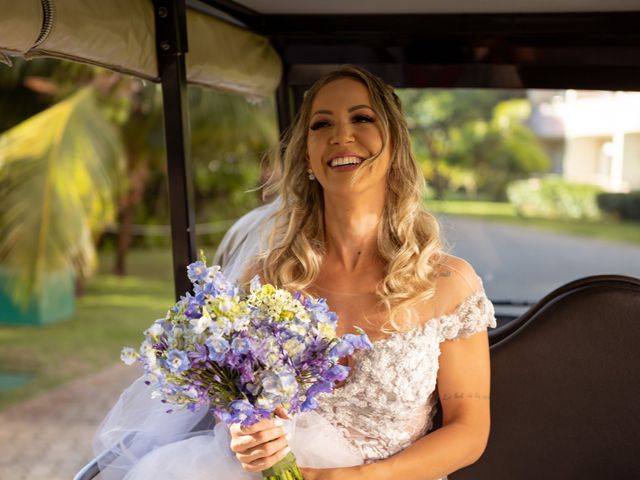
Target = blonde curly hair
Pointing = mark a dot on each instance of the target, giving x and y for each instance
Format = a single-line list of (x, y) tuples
[(408, 236)]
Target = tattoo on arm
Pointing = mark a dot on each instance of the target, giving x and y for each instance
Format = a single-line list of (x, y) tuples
[(461, 395)]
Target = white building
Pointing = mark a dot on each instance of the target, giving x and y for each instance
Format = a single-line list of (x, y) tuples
[(592, 137)]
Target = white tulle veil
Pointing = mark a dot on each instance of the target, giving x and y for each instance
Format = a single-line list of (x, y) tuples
[(139, 440)]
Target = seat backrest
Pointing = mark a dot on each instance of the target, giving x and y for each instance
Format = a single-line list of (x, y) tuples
[(565, 387)]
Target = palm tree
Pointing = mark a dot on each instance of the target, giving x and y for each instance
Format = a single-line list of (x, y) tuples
[(57, 172), (67, 172)]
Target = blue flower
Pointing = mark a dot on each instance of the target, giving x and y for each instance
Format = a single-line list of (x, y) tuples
[(218, 347), (241, 411), (177, 361), (197, 271), (277, 387), (359, 342), (341, 349), (241, 345), (310, 402)]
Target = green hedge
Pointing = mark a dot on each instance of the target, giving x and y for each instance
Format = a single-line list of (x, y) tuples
[(553, 197), (625, 206)]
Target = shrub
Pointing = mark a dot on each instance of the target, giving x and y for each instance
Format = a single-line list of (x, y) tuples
[(553, 197), (625, 206)]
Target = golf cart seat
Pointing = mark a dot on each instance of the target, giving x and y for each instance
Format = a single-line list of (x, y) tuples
[(563, 400)]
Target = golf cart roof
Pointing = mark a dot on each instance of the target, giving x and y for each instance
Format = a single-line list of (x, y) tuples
[(461, 43)]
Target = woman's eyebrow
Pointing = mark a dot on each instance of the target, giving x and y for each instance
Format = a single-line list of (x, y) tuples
[(351, 109), (358, 107)]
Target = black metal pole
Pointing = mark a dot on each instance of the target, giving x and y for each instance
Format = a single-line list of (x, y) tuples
[(171, 46), (284, 103)]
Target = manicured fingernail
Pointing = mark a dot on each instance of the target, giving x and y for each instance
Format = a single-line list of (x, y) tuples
[(278, 422), (288, 437), (286, 450)]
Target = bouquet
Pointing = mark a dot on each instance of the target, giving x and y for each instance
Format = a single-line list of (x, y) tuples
[(244, 354)]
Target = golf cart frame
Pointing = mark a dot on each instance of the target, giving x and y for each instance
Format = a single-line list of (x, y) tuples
[(563, 405)]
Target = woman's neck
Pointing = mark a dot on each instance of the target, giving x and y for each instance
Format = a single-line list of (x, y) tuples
[(351, 227)]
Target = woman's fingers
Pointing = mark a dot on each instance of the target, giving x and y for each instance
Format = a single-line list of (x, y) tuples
[(241, 442), (263, 424), (266, 462), (281, 412), (261, 445), (264, 450)]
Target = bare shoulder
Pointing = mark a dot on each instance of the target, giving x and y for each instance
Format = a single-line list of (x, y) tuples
[(455, 279)]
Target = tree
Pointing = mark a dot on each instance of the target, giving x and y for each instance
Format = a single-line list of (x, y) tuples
[(56, 189), (465, 138), (223, 126)]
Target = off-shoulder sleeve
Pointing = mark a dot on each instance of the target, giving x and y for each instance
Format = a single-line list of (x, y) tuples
[(474, 314)]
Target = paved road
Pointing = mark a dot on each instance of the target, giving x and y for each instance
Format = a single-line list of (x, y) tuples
[(518, 263), (49, 437)]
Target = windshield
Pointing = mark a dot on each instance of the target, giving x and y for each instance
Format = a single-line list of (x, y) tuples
[(535, 188)]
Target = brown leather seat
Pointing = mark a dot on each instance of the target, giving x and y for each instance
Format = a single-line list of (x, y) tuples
[(565, 393)]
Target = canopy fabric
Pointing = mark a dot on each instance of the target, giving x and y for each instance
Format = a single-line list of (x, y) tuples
[(378, 7), (20, 25), (120, 35)]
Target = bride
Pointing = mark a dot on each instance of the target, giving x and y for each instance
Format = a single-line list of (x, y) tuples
[(350, 227)]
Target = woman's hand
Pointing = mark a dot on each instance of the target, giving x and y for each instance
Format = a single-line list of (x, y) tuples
[(261, 445)]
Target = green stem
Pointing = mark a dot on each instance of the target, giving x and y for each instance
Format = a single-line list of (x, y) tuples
[(285, 469)]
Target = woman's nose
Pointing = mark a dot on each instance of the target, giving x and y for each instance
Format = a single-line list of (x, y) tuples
[(342, 133)]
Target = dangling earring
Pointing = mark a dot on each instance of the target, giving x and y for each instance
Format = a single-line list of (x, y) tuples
[(312, 177)]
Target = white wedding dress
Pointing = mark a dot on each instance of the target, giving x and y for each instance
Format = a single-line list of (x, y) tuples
[(386, 404)]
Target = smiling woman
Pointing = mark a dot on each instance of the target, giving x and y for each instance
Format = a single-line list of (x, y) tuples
[(343, 134), (361, 238)]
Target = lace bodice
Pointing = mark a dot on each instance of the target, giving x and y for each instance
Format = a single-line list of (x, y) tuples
[(388, 402)]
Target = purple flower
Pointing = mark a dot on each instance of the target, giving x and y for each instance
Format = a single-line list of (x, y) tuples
[(192, 311), (337, 373), (200, 354), (246, 372)]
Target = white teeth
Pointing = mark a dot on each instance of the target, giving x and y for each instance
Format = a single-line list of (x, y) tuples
[(345, 161)]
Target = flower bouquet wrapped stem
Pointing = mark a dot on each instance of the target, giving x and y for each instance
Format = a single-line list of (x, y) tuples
[(242, 355), (285, 469)]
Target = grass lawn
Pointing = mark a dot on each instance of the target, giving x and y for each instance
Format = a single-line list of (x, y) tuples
[(113, 312), (624, 232)]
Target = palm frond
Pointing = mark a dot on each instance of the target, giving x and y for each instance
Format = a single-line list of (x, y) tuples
[(56, 175)]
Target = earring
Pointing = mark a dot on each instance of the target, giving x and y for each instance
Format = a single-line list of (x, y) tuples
[(312, 177)]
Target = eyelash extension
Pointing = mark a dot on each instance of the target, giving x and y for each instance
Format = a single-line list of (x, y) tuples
[(366, 118), (318, 125), (356, 118)]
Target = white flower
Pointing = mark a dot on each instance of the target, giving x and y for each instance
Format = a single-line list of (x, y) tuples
[(149, 354), (293, 347), (202, 323), (155, 330), (226, 304), (240, 323), (129, 356), (297, 329), (327, 331)]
